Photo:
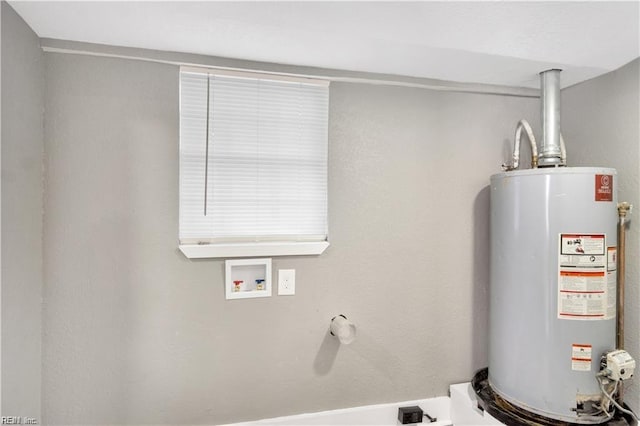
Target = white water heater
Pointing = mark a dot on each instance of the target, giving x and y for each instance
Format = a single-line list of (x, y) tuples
[(552, 288), (556, 318)]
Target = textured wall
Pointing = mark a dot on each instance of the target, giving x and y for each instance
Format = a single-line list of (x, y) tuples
[(601, 126), (136, 333), (22, 145)]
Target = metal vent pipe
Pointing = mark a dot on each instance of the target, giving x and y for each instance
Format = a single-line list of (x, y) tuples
[(551, 153)]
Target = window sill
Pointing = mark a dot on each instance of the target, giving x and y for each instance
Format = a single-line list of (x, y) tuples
[(200, 251)]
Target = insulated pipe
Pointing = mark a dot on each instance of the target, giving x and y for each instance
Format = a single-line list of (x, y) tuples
[(551, 154)]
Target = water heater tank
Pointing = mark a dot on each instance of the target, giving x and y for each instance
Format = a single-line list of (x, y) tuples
[(552, 287)]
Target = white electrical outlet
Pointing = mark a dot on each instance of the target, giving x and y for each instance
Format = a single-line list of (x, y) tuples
[(286, 282)]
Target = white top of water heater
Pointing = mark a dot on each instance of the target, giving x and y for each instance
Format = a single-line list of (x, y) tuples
[(555, 171)]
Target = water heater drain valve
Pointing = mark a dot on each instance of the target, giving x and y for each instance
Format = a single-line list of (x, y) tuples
[(619, 365)]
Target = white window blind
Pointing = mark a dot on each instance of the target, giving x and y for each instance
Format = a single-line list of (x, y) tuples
[(253, 158)]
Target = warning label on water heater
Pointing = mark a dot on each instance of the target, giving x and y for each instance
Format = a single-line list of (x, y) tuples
[(583, 279), (581, 357)]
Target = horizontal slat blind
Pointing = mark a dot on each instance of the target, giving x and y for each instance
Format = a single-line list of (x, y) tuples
[(266, 174)]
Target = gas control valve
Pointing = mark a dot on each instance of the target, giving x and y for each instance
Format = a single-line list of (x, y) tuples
[(619, 365)]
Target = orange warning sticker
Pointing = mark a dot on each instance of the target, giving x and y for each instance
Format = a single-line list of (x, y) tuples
[(604, 187), (581, 357)]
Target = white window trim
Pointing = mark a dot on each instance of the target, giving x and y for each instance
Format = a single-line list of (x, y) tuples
[(254, 249), (200, 251)]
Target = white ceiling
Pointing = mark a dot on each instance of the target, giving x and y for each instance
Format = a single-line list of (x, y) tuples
[(505, 43)]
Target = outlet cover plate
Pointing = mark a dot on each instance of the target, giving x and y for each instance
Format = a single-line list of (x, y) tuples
[(286, 282)]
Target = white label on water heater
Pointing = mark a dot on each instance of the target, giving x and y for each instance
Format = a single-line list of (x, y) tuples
[(612, 264), (612, 258), (581, 357), (583, 280)]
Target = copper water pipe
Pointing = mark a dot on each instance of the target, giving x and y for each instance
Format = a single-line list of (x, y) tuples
[(623, 209)]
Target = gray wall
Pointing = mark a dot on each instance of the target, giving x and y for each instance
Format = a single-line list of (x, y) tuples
[(136, 333), (601, 125), (22, 146)]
